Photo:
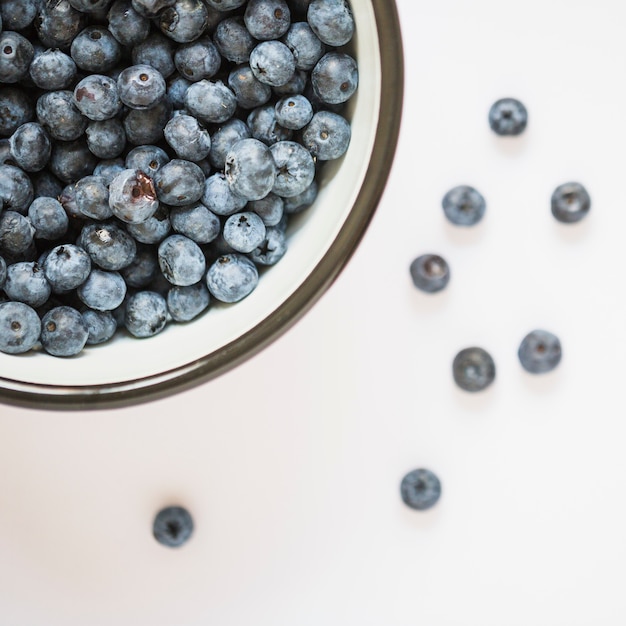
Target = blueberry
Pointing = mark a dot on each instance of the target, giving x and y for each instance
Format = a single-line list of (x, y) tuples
[(172, 526), (17, 14), (223, 139), (141, 86), (66, 267), (20, 327), (151, 8), (132, 197), (16, 233), (53, 70), (305, 45), (225, 5), (31, 147), (58, 114), (250, 169), (508, 117), (90, 6), (264, 126), (244, 232), (153, 230), (16, 54), (188, 138), (102, 291), (185, 21), (464, 206), (16, 109), (219, 197), (293, 112), (269, 209), (95, 50), (71, 160), (177, 86), (249, 91), (48, 218), (540, 352), (331, 21), (179, 183), (570, 203), (145, 314), (233, 40), (92, 197), (295, 85), (63, 332), (335, 78), (473, 369), (148, 159), (16, 189), (302, 201), (295, 168), (101, 326), (46, 184), (146, 126), (181, 260), (143, 269), (126, 25), (58, 23), (196, 222), (420, 489), (267, 19), (232, 277), (68, 201), (108, 169), (27, 283), (106, 139), (272, 63), (211, 102), (272, 248), (157, 51), (198, 60), (430, 273), (186, 303), (327, 136), (108, 246)]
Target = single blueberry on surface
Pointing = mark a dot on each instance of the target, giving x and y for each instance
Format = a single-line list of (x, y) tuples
[(63, 331), (20, 327), (430, 273), (172, 526), (570, 203), (473, 369), (420, 489), (540, 352), (464, 205), (508, 117)]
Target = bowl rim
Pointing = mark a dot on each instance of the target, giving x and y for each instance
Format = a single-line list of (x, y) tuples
[(154, 387)]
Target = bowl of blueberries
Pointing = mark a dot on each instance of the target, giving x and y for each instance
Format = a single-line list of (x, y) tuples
[(180, 181)]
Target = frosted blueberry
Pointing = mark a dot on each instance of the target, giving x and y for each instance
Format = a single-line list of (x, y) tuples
[(66, 267), (430, 273), (181, 260), (26, 282), (267, 19), (96, 97), (153, 230), (211, 102), (148, 159), (249, 91), (101, 326), (185, 21), (172, 527), (264, 126), (223, 139), (305, 45), (198, 60), (540, 352), (232, 277), (335, 78), (570, 203), (420, 489), (473, 369), (272, 249), (295, 168), (233, 40), (16, 54), (327, 136), (179, 183), (269, 209), (63, 331), (58, 114), (186, 303), (95, 49), (508, 117), (16, 233), (188, 138), (331, 21), (92, 197), (219, 198), (16, 189), (145, 314), (102, 291), (132, 197), (293, 112), (272, 63), (464, 205), (108, 246), (30, 147), (53, 70), (48, 218), (244, 232), (250, 169), (20, 327), (196, 222), (140, 86)]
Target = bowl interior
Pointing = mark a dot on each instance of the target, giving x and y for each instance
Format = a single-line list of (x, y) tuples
[(126, 359)]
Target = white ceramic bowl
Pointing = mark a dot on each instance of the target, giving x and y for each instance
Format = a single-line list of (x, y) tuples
[(321, 240)]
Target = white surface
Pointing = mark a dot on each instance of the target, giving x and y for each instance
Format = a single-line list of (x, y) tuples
[(291, 463)]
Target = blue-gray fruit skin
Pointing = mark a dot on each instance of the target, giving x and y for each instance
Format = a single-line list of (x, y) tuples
[(211, 102), (219, 197), (101, 326), (95, 50), (172, 526), (66, 267), (265, 127), (108, 246), (157, 51), (196, 222), (102, 291), (26, 282), (250, 92), (331, 21), (71, 160), (132, 197), (430, 273), (223, 139), (232, 277), (305, 45), (269, 209), (233, 40), (464, 206), (302, 201), (3, 271), (16, 109), (145, 314), (48, 218), (181, 260), (16, 54), (63, 332), (16, 189), (141, 86), (540, 352), (145, 126), (273, 247), (250, 169), (508, 117), (126, 25), (267, 19), (46, 184), (188, 138), (295, 85), (198, 60), (108, 169), (106, 139), (335, 78), (177, 86), (186, 303), (295, 168), (244, 232), (473, 369), (144, 267), (97, 98), (179, 183), (272, 63), (420, 489), (327, 137), (17, 14), (16, 233), (53, 70), (293, 112), (90, 6), (58, 23), (20, 327), (185, 21), (570, 203), (58, 114), (151, 8), (148, 159), (92, 198), (153, 230)]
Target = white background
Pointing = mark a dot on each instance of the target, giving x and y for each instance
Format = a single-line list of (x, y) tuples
[(291, 464)]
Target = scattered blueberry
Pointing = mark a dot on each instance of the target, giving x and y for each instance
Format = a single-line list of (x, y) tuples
[(540, 352), (420, 489), (473, 369), (430, 273), (172, 526), (570, 203), (464, 205), (508, 117)]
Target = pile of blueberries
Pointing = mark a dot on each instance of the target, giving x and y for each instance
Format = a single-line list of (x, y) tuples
[(473, 369), (152, 152)]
